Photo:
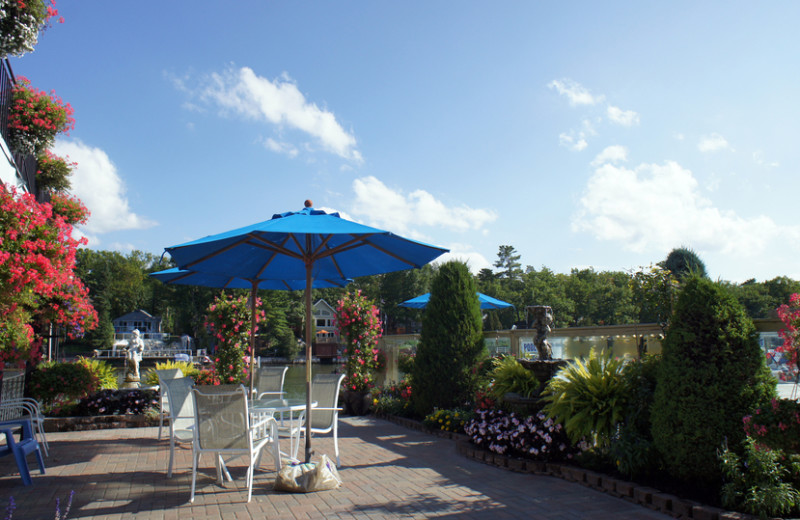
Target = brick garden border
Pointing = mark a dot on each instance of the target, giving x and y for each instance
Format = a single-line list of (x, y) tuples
[(645, 496)]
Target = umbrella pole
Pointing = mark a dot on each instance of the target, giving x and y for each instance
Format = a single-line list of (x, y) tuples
[(308, 361), (253, 322)]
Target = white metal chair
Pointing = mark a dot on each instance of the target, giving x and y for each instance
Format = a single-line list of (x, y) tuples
[(26, 408), (223, 427), (14, 406), (181, 413), (269, 382), (325, 417), (164, 374)]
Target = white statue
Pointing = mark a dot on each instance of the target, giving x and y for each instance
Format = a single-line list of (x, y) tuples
[(135, 348)]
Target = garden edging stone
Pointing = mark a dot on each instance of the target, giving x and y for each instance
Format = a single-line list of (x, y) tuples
[(643, 495)]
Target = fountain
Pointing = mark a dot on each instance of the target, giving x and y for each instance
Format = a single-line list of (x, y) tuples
[(545, 367)]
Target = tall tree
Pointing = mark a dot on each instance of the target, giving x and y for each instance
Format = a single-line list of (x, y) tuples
[(508, 264), (682, 261)]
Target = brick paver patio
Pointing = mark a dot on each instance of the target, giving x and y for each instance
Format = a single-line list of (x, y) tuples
[(388, 471)]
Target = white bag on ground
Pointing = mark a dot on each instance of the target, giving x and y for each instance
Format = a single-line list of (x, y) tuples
[(308, 477)]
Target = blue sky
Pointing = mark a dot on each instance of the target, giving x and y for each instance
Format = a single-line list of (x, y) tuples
[(585, 134)]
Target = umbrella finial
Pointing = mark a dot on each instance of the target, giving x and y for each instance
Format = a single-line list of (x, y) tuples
[(309, 204)]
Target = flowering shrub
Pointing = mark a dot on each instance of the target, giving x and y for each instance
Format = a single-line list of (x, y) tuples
[(359, 328), (37, 281), (534, 437), (52, 383), (115, 402), (393, 399), (207, 377), (35, 118), (447, 420), (790, 316), (405, 361), (229, 321), (52, 172), (484, 399), (20, 23), (776, 426)]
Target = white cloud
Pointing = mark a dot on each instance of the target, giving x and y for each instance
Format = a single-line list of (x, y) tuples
[(395, 211), (464, 253), (575, 93), (95, 181), (758, 158), (622, 117), (713, 143), (280, 147), (657, 207), (575, 141), (281, 103), (612, 154)]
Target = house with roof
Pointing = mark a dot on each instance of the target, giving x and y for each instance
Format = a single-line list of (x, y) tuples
[(140, 320)]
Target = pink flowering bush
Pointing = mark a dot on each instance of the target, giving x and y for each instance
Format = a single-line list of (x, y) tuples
[(534, 437), (776, 426), (790, 316), (359, 326), (37, 279), (229, 321)]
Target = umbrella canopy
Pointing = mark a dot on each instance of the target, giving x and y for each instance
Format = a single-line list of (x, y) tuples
[(176, 276), (304, 245), (487, 302)]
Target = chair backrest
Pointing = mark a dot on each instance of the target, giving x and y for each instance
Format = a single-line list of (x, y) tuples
[(270, 380), (168, 373), (181, 401), (12, 391), (325, 391), (222, 417)]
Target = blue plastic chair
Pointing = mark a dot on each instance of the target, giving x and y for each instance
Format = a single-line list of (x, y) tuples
[(20, 449)]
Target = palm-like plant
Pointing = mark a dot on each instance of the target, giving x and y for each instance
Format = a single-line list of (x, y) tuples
[(589, 398), (509, 376)]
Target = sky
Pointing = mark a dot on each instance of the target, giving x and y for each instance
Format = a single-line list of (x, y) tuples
[(584, 134)]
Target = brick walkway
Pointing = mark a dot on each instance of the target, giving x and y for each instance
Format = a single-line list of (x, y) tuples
[(388, 471)]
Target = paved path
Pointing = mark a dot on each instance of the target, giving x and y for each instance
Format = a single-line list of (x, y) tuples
[(388, 472)]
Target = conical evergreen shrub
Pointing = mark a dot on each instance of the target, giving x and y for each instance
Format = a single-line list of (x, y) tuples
[(712, 374), (451, 342)]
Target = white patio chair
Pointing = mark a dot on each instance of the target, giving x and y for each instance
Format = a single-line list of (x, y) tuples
[(269, 382), (325, 417), (223, 428), (164, 374), (181, 413), (26, 408)]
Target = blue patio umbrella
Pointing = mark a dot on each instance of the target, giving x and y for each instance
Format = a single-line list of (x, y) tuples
[(176, 276), (487, 302), (305, 245)]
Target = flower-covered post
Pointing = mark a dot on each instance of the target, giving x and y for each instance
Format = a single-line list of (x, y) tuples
[(359, 326), (229, 320), (790, 316), (37, 280)]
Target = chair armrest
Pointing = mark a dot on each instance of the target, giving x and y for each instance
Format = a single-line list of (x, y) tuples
[(326, 409), (263, 421)]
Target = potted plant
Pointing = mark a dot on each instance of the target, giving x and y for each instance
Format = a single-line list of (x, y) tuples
[(35, 118), (358, 322), (20, 23)]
